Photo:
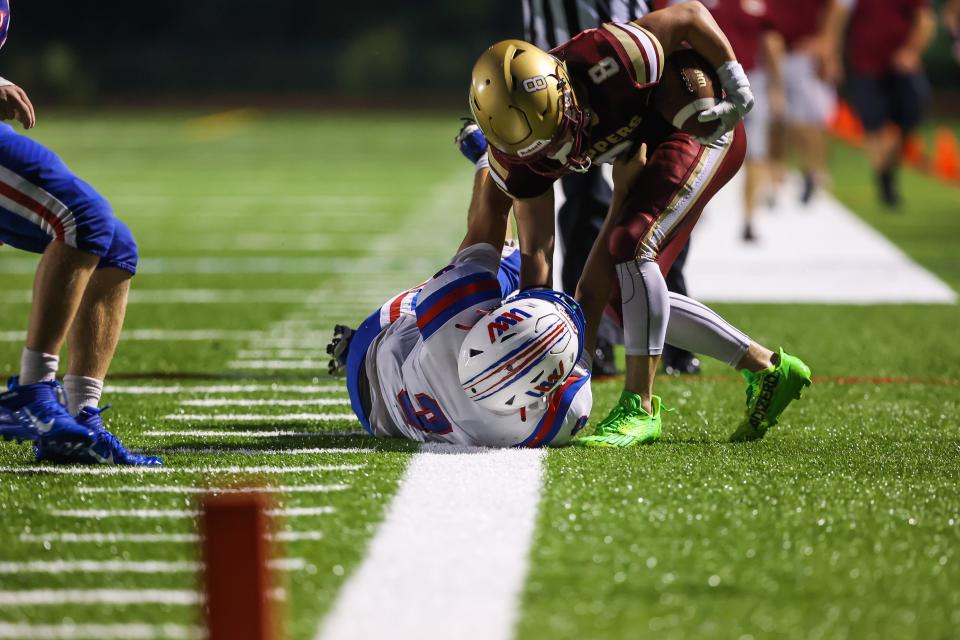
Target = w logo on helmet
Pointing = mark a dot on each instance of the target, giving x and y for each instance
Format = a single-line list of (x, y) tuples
[(504, 321), (549, 383)]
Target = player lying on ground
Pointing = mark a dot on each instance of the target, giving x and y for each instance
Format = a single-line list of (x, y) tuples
[(587, 102), (465, 359), (79, 294)]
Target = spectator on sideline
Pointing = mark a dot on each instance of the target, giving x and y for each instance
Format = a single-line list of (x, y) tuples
[(549, 24), (749, 27), (886, 84), (812, 68), (951, 18)]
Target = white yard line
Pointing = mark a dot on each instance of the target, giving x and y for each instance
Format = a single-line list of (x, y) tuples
[(98, 514), (61, 597), (106, 470), (260, 452), (259, 417), (214, 296), (224, 388), (128, 566), (292, 488), (151, 538), (479, 507), (128, 631), (278, 364), (209, 433), (243, 402), (823, 253), (252, 354)]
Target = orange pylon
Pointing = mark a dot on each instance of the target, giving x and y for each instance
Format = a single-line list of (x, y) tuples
[(913, 152), (946, 159), (846, 125)]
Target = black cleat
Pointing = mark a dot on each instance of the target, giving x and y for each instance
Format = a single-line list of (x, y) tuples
[(338, 348), (809, 188), (678, 362), (603, 364), (889, 194)]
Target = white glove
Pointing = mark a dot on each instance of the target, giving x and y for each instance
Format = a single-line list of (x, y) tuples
[(736, 104)]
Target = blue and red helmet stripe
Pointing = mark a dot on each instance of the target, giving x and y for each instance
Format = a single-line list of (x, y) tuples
[(4, 20), (551, 422)]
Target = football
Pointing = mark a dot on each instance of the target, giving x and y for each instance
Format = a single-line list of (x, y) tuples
[(688, 86)]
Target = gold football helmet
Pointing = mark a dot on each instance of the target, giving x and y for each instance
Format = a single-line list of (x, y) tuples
[(522, 99)]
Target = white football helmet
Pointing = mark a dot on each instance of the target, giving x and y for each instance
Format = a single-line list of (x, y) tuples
[(522, 350)]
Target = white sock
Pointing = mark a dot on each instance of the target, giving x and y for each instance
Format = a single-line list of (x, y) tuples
[(82, 392), (36, 366)]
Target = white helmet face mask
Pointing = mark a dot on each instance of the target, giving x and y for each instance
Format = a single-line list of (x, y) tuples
[(518, 354)]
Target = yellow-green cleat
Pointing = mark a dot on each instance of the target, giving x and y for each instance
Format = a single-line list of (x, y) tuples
[(769, 392), (626, 425)]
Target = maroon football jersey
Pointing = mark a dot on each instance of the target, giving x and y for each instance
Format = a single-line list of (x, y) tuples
[(613, 69)]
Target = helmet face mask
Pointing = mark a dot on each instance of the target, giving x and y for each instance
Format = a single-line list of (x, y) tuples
[(523, 101), (567, 145)]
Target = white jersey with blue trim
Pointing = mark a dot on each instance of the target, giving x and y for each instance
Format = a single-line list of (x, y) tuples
[(411, 367)]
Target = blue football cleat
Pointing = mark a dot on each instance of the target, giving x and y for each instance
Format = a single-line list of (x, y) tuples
[(471, 141), (106, 448), (34, 412)]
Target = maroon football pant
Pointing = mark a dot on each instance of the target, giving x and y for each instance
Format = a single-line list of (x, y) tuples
[(665, 203)]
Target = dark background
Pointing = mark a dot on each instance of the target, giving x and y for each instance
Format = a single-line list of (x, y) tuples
[(317, 52)]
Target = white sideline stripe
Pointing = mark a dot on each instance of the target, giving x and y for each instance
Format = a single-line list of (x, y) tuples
[(293, 488), (258, 452), (123, 470), (822, 253), (150, 538), (129, 631), (128, 566), (277, 364), (201, 433), (482, 504), (242, 402), (97, 514), (258, 417), (223, 388), (100, 596)]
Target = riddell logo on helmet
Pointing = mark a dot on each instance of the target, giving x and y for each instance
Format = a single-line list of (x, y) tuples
[(533, 148), (504, 321)]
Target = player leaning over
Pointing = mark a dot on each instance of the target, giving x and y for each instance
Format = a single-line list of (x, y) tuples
[(79, 294), (588, 102)]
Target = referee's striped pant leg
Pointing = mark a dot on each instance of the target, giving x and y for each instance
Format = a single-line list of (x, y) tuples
[(43, 201), (663, 206)]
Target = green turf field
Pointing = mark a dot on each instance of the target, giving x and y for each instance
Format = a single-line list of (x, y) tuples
[(258, 231)]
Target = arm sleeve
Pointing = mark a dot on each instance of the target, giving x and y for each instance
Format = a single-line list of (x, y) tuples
[(567, 413), (456, 294)]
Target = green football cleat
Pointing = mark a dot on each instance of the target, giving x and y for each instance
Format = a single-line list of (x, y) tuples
[(769, 393), (626, 425)]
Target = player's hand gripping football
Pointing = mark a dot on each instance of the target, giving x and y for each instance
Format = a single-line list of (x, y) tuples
[(15, 105), (735, 105)]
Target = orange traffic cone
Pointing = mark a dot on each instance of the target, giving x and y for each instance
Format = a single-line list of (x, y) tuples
[(946, 159), (846, 125), (913, 151)]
